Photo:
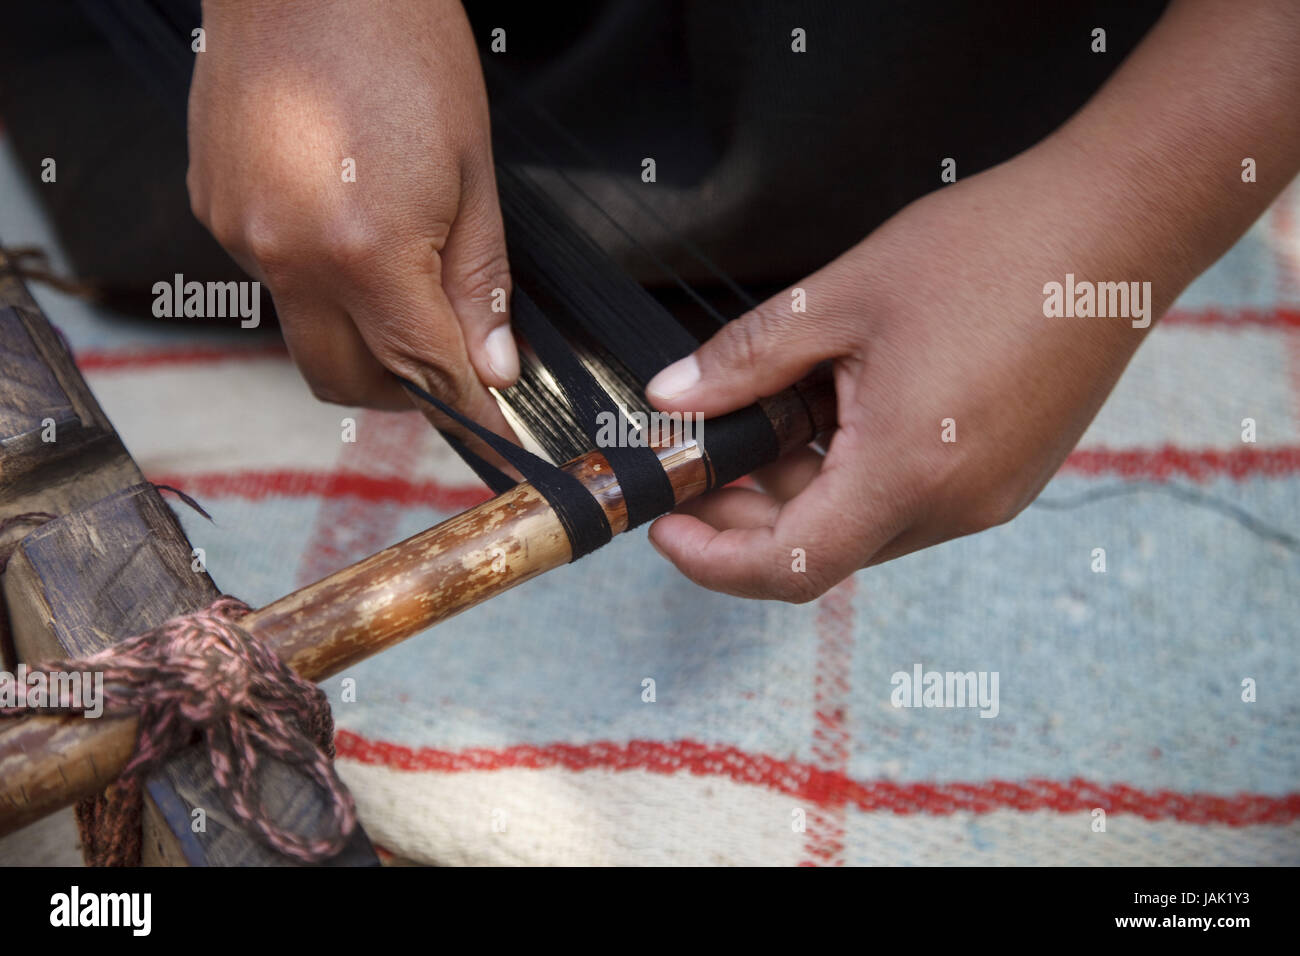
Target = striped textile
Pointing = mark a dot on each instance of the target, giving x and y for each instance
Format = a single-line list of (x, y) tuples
[(518, 732)]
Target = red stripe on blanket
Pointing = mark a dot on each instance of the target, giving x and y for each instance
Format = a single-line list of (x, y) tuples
[(256, 485), (1279, 318), (1161, 464), (824, 839), (1286, 251), (348, 529), (1286, 254), (123, 360), (806, 782)]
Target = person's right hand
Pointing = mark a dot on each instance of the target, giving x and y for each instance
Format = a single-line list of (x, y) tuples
[(394, 272)]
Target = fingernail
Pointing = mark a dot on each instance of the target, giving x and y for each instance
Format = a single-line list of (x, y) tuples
[(679, 377), (502, 356)]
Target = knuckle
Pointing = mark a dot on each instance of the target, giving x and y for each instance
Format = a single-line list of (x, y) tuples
[(434, 376), (330, 392), (341, 380), (992, 509), (751, 339), (267, 245), (351, 249), (480, 283), (358, 395), (740, 343), (450, 388), (803, 589), (225, 231)]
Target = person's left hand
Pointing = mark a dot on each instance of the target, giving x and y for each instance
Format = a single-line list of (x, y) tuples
[(936, 316)]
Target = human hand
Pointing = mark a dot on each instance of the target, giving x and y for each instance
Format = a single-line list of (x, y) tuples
[(393, 272), (935, 324), (939, 314)]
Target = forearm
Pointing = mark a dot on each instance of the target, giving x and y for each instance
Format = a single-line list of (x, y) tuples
[(1160, 148)]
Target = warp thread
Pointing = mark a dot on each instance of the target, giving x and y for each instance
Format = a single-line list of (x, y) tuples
[(201, 675)]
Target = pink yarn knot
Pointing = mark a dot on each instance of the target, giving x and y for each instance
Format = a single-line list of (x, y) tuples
[(202, 676), (205, 664)]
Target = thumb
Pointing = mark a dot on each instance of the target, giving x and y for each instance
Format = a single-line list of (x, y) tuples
[(476, 279), (756, 355)]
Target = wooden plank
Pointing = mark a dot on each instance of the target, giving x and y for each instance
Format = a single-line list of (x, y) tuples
[(118, 567), (115, 564), (33, 393), (42, 388)]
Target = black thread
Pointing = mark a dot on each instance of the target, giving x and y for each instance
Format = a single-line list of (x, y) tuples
[(581, 515), (647, 492)]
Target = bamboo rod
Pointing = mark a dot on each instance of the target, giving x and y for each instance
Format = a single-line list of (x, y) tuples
[(49, 762)]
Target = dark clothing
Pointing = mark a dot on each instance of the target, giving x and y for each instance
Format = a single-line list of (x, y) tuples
[(772, 161), (776, 161)]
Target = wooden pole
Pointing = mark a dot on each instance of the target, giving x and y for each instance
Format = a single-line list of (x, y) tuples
[(48, 762)]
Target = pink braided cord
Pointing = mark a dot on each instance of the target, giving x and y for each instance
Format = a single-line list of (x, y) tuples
[(202, 676)]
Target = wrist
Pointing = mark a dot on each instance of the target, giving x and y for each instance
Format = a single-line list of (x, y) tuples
[(1131, 218), (1162, 146)]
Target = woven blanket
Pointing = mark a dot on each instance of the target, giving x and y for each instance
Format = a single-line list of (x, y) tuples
[(613, 713)]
